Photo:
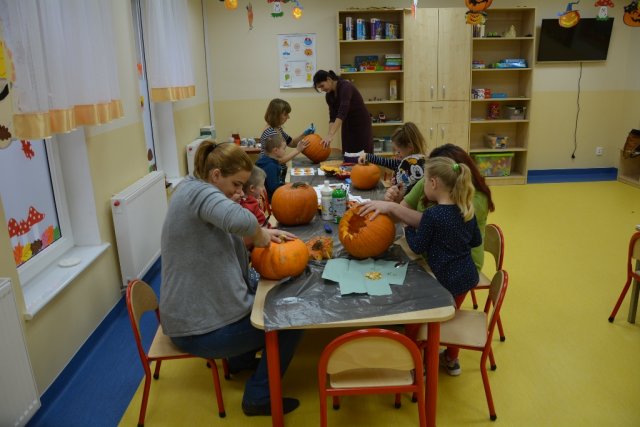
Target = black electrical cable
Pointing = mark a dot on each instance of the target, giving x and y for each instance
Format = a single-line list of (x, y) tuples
[(575, 130)]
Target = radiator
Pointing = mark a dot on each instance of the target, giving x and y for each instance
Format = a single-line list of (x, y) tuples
[(17, 386), (138, 213)]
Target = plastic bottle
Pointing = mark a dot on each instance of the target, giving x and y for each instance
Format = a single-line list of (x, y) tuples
[(338, 203), (325, 201)]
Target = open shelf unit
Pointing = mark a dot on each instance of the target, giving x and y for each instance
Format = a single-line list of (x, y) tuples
[(629, 171), (516, 83), (375, 85)]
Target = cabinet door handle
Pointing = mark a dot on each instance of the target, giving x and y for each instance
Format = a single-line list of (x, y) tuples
[(442, 132), (431, 91), (430, 133), (444, 91)]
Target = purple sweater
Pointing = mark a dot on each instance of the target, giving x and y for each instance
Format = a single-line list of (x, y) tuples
[(346, 104)]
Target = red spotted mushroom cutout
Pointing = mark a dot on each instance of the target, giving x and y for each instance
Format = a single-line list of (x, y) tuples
[(14, 231), (34, 217)]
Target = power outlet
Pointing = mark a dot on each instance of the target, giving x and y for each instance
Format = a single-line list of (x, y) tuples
[(599, 151)]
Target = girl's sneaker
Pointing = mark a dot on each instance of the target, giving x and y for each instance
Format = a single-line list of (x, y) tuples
[(452, 366)]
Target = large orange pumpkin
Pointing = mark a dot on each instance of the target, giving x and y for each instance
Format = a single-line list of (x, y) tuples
[(280, 260), (477, 5), (363, 237), (365, 177), (294, 204), (315, 151)]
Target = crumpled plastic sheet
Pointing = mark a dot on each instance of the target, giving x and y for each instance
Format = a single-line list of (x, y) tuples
[(308, 299)]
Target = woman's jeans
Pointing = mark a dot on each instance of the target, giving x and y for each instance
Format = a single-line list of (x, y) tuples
[(239, 342)]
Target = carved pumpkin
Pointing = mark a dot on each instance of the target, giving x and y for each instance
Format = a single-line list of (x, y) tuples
[(365, 177), (320, 248), (315, 151), (294, 204), (364, 238), (477, 5), (280, 260), (569, 19), (631, 15)]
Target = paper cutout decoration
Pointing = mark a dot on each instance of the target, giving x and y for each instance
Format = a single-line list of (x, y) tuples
[(277, 9), (297, 12), (414, 6), (476, 14), (569, 18), (27, 150), (631, 15), (250, 15), (231, 4), (603, 11)]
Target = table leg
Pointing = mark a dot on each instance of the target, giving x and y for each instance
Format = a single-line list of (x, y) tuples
[(633, 303), (433, 342), (275, 387)]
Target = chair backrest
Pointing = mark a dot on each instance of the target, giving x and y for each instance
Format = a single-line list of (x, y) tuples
[(371, 348), (634, 250), (497, 291), (494, 243), (141, 298)]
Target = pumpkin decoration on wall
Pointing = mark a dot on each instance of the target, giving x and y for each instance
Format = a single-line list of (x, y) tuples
[(631, 15), (365, 177), (315, 151), (363, 237), (279, 260), (476, 14), (569, 18), (294, 204)]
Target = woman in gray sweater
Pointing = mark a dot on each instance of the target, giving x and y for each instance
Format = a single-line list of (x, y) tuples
[(205, 297)]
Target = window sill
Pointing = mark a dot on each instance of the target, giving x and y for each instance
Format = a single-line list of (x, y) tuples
[(40, 290)]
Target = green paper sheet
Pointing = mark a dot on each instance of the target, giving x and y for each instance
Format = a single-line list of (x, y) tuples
[(350, 275)]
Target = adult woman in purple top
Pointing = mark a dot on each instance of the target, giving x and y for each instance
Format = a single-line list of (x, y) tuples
[(346, 111)]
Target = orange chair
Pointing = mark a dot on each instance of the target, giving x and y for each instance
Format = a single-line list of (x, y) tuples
[(633, 255), (473, 330), (140, 299), (371, 361), (493, 244)]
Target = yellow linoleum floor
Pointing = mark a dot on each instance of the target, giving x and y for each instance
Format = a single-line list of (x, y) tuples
[(563, 363)]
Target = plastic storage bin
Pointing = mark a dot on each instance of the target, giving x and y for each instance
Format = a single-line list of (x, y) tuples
[(515, 112), (493, 164)]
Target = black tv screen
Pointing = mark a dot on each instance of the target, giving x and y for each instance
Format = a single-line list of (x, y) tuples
[(586, 41)]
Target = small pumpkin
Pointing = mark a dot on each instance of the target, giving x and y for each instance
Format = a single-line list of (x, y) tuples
[(315, 151), (320, 248), (365, 177), (279, 260), (294, 203), (477, 5), (363, 237), (631, 15), (569, 19)]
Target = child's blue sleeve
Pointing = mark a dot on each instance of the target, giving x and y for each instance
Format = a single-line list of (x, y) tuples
[(419, 239)]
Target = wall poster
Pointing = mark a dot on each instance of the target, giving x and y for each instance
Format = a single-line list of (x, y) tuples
[(297, 54)]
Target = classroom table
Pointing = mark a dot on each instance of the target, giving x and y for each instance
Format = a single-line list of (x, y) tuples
[(432, 315)]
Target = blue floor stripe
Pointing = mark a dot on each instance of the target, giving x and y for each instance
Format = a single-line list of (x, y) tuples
[(95, 388), (571, 175)]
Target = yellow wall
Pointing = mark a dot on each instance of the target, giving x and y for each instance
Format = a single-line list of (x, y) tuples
[(245, 78)]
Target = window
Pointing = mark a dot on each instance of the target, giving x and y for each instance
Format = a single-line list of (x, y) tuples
[(53, 177)]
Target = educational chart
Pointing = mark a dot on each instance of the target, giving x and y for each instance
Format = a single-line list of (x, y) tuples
[(297, 60)]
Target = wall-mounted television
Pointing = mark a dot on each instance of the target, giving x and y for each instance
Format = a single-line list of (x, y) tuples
[(586, 41)]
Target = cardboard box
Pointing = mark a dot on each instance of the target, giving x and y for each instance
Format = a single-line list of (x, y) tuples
[(493, 164), (496, 141)]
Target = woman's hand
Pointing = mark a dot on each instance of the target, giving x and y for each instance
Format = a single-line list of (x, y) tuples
[(279, 236), (302, 145), (362, 159), (326, 141), (377, 207), (394, 194)]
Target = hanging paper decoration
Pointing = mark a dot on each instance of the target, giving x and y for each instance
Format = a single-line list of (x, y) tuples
[(277, 8), (476, 14), (569, 18), (603, 11), (250, 15), (231, 4), (27, 149), (414, 6), (297, 10), (632, 14)]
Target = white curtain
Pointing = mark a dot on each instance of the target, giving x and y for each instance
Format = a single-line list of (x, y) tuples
[(65, 66), (165, 25)]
